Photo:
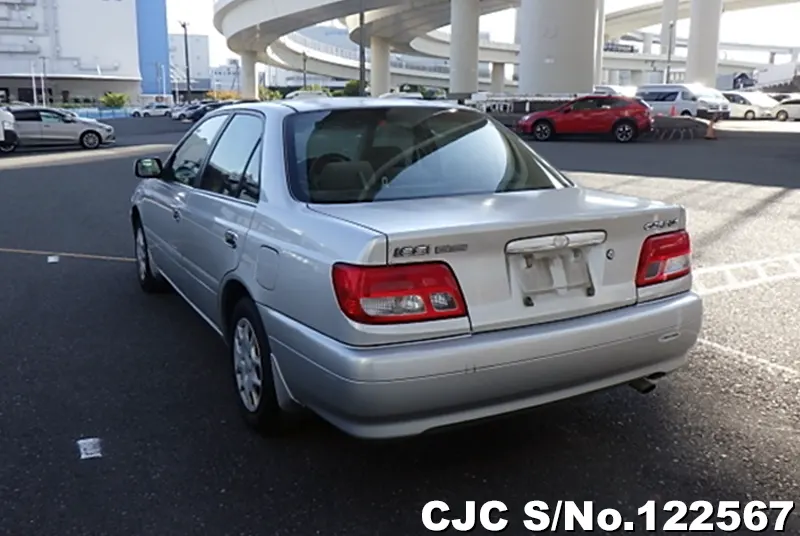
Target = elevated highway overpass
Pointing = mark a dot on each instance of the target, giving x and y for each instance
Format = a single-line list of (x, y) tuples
[(264, 31)]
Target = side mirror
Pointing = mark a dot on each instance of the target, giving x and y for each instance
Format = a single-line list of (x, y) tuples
[(566, 110), (148, 168), (69, 119)]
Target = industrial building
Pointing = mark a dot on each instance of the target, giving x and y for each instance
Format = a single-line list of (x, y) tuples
[(63, 45)]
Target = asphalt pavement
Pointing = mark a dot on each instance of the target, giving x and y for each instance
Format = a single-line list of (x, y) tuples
[(85, 355)]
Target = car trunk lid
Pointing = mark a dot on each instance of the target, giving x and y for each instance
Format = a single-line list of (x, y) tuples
[(527, 257)]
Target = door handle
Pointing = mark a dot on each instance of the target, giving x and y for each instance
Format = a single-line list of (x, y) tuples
[(176, 213), (231, 238)]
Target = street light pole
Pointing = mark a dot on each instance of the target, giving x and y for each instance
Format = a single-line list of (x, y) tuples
[(362, 54), (185, 26), (669, 51)]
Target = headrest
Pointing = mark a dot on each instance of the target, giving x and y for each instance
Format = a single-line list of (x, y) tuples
[(344, 179)]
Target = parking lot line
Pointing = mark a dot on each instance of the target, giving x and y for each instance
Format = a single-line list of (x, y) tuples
[(59, 254), (750, 359)]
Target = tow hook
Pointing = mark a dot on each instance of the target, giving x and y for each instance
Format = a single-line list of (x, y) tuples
[(643, 385)]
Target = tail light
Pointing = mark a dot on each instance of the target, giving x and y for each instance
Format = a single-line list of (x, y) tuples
[(398, 294), (664, 257)]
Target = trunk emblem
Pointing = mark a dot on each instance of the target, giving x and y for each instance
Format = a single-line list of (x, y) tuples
[(610, 254), (660, 224), (560, 241)]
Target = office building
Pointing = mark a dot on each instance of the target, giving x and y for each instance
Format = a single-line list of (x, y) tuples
[(82, 49), (199, 62)]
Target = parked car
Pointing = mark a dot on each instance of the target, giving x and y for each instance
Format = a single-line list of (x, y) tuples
[(153, 109), (780, 97), (624, 118), (690, 100), (8, 131), (750, 105), (185, 112), (201, 111), (398, 266), (788, 110), (38, 125)]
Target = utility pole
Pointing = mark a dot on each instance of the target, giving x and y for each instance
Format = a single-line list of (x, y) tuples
[(362, 54), (45, 96), (305, 70), (185, 26)]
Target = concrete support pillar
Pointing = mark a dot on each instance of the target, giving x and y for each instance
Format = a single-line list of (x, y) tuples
[(613, 77), (669, 15), (772, 58), (498, 77), (795, 55), (249, 82), (638, 78), (600, 40), (557, 50), (464, 21), (517, 34), (379, 73), (703, 55), (647, 44)]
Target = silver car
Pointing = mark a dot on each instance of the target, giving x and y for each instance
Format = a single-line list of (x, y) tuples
[(51, 126), (398, 266)]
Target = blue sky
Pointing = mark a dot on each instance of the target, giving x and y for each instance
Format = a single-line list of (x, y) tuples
[(776, 25)]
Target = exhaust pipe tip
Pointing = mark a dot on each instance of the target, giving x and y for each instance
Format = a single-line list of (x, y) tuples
[(643, 385)]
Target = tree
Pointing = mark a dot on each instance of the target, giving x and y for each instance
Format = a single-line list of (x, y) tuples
[(350, 89), (114, 100), (267, 94), (223, 95)]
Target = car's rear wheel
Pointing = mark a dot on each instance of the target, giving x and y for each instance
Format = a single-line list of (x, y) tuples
[(750, 115), (252, 370), (625, 132), (90, 140), (543, 131), (147, 114), (136, 114), (151, 282), (783, 115)]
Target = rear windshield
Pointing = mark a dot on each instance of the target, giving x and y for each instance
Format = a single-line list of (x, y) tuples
[(407, 152)]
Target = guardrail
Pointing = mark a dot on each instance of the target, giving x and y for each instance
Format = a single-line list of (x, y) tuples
[(101, 113)]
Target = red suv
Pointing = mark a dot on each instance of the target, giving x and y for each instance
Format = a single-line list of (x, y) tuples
[(625, 118)]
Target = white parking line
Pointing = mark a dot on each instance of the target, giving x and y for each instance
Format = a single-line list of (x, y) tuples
[(90, 447), (750, 359), (743, 275)]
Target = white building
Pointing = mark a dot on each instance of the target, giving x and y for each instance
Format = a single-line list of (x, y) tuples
[(199, 62), (81, 59)]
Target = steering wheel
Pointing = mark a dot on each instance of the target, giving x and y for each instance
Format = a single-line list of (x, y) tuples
[(323, 160)]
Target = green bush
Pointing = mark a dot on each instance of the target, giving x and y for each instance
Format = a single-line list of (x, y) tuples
[(267, 94), (114, 100), (350, 89)]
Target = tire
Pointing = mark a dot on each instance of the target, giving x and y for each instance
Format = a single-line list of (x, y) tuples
[(258, 404), (543, 131), (151, 283), (181, 117), (783, 115), (8, 149), (686, 113), (146, 114), (750, 115), (168, 114), (136, 114), (625, 132), (90, 140)]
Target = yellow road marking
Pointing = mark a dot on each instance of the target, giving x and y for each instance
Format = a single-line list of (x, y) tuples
[(86, 256)]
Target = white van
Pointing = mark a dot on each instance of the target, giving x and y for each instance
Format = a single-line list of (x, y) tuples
[(751, 105), (307, 94), (692, 100)]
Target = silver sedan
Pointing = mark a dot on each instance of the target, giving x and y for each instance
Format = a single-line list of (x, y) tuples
[(49, 126), (398, 266)]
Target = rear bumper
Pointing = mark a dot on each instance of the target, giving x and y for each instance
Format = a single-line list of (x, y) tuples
[(398, 390)]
